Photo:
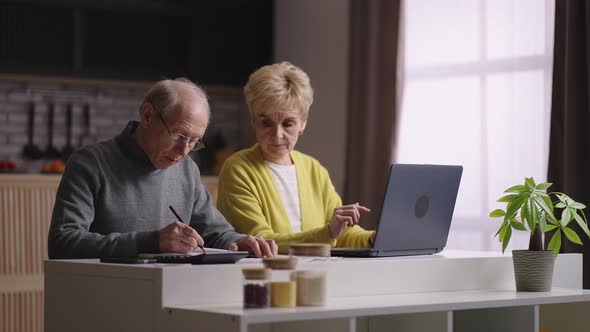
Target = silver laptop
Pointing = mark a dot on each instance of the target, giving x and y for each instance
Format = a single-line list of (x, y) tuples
[(416, 213)]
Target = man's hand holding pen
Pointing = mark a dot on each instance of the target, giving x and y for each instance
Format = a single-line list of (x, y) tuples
[(179, 237), (192, 233)]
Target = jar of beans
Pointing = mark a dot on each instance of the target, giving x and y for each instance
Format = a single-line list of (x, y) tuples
[(256, 288)]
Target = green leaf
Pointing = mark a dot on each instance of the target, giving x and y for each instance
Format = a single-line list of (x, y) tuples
[(502, 231), (547, 201), (525, 213), (543, 186), (497, 213), (560, 205), (571, 235), (537, 215), (516, 225), (543, 223), (577, 206), (532, 226), (548, 211), (506, 238), (530, 183), (555, 243), (582, 224), (498, 232), (566, 217), (545, 197), (562, 198), (550, 228), (513, 206), (507, 198), (515, 189)]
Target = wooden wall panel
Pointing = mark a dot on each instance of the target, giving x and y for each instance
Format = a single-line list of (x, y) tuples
[(26, 203), (21, 311)]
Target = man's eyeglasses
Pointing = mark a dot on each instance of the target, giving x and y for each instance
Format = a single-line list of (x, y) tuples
[(194, 143)]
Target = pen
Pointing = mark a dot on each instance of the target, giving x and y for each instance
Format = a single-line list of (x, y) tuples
[(178, 217)]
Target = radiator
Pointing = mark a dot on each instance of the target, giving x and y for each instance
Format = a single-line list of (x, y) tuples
[(21, 311), (26, 202)]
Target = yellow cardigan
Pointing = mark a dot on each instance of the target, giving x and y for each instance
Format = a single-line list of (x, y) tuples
[(250, 201)]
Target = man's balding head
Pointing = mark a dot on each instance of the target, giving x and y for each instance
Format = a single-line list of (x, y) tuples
[(168, 95), (170, 110)]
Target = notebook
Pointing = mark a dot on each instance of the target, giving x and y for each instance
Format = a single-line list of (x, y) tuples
[(416, 213)]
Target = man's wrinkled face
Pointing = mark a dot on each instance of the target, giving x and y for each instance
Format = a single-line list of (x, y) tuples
[(171, 136)]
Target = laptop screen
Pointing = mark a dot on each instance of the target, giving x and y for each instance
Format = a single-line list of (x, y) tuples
[(417, 207)]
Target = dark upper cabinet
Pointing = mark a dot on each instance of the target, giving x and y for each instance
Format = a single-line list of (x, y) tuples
[(212, 42), (145, 46), (35, 39), (231, 39)]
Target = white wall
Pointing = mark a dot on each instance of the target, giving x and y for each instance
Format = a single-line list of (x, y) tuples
[(313, 35)]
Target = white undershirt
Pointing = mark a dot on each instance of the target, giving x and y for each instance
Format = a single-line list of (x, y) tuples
[(286, 180)]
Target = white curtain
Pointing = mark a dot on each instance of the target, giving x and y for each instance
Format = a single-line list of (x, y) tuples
[(477, 92)]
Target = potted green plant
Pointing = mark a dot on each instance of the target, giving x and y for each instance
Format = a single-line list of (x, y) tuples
[(529, 207)]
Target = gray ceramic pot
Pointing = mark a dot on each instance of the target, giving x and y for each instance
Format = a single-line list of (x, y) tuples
[(533, 270)]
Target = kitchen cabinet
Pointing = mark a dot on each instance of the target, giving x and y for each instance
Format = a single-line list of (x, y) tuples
[(35, 39), (212, 42), (136, 45)]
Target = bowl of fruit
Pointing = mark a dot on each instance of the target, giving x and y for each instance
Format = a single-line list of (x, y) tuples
[(7, 166), (53, 167)]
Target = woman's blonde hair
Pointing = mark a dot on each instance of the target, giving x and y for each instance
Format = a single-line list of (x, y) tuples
[(279, 87)]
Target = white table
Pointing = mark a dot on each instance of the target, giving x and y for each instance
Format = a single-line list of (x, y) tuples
[(452, 291)]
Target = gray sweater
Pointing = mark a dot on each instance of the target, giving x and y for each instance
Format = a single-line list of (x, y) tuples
[(112, 202)]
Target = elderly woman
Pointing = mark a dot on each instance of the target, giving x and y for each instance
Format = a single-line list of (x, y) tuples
[(275, 192)]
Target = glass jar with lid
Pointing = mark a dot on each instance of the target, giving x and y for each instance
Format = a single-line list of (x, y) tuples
[(312, 287), (310, 249), (256, 288), (283, 286)]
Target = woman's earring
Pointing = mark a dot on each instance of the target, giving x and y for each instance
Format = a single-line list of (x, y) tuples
[(301, 133)]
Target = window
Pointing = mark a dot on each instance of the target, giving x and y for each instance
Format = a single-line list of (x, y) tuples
[(477, 93)]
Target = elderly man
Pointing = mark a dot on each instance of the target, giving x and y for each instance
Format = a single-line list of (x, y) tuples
[(114, 197)]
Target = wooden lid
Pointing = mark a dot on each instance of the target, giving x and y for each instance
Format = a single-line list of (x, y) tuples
[(256, 273), (280, 263), (310, 249)]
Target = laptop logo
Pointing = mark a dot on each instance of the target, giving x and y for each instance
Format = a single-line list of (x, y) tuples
[(421, 206)]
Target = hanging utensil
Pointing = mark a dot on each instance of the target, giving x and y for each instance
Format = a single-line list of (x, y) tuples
[(86, 137), (68, 148), (30, 150), (51, 152)]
